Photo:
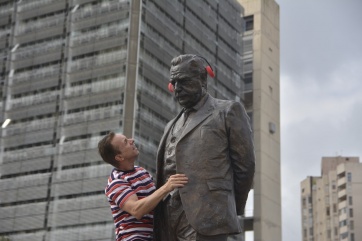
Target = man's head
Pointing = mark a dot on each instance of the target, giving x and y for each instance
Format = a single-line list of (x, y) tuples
[(117, 150), (189, 79)]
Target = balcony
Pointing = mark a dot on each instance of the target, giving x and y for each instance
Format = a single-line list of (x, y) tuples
[(40, 24), (36, 74), (341, 181), (34, 99), (99, 60), (341, 170), (343, 230), (343, 216), (37, 49), (342, 204), (92, 115), (4, 33), (99, 9), (97, 87), (36, 125), (79, 145), (342, 194), (28, 153), (116, 29), (28, 5), (5, 9)]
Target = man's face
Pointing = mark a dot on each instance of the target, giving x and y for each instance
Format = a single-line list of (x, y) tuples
[(188, 90), (125, 146)]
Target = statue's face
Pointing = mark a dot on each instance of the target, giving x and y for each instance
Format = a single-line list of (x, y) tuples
[(188, 90)]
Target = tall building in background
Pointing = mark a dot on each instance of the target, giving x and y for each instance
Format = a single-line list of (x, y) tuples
[(262, 100), (72, 70), (331, 203)]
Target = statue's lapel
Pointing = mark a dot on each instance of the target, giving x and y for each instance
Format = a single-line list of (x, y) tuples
[(168, 128), (200, 115)]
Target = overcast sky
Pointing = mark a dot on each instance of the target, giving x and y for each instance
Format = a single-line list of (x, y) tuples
[(321, 93)]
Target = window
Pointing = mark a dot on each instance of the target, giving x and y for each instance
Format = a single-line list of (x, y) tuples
[(351, 212), (344, 235), (249, 23), (350, 200), (352, 237), (349, 177), (342, 223), (351, 225), (248, 78)]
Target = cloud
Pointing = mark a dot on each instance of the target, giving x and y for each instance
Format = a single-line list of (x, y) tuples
[(317, 119), (318, 36), (307, 99), (321, 101)]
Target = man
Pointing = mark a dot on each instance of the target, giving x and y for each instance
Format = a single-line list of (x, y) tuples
[(130, 190), (210, 141)]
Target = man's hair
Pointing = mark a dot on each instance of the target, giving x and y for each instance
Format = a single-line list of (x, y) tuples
[(106, 149), (191, 63)]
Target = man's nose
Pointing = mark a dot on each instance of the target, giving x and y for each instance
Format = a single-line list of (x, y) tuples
[(177, 86)]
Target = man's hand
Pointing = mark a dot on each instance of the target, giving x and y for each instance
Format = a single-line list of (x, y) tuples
[(175, 181), (139, 207)]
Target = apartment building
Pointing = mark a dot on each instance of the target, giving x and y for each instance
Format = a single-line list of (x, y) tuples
[(72, 70), (262, 100), (330, 202)]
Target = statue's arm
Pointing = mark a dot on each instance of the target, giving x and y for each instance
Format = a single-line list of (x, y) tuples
[(241, 152)]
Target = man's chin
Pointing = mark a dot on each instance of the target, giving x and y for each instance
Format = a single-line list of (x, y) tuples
[(184, 103)]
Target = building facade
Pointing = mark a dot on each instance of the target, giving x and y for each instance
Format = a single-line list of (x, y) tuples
[(72, 70), (262, 100), (330, 202)]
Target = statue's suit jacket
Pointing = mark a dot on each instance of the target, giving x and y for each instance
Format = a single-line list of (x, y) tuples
[(216, 153)]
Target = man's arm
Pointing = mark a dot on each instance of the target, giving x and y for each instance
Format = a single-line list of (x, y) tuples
[(139, 207), (241, 150)]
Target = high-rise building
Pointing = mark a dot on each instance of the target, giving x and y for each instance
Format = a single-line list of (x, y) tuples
[(262, 100), (72, 70), (330, 203)]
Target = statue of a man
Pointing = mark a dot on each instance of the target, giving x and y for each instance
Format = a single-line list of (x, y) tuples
[(210, 141)]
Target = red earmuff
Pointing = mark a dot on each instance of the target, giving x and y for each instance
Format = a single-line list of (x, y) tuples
[(170, 87), (210, 71)]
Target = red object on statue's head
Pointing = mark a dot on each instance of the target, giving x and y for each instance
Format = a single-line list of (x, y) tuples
[(210, 71), (170, 87)]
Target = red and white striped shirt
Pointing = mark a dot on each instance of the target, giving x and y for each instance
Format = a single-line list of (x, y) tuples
[(121, 185)]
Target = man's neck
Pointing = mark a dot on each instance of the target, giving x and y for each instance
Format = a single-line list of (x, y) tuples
[(199, 104), (126, 166)]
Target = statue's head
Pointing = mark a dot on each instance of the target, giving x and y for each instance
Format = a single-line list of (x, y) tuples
[(189, 79)]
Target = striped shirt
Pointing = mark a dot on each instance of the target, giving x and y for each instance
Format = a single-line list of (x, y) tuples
[(121, 185)]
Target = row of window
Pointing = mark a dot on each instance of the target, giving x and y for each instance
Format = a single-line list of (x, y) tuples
[(329, 235)]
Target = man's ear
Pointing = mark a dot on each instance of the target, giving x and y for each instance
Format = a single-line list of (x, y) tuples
[(119, 157)]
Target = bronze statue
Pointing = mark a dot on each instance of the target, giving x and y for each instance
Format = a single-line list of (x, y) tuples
[(210, 141)]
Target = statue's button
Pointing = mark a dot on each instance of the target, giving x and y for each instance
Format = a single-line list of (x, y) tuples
[(173, 139), (169, 152)]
